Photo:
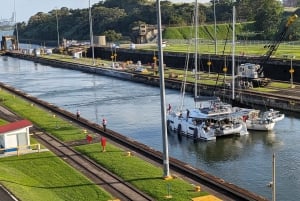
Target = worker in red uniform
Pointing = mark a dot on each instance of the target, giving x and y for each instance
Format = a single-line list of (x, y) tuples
[(89, 138), (103, 143)]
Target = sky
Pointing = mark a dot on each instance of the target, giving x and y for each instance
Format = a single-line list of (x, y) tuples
[(27, 8)]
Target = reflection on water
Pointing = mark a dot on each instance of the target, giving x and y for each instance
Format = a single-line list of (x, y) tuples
[(134, 110)]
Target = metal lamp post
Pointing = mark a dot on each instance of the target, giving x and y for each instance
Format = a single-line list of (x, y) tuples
[(91, 32), (162, 96), (57, 30)]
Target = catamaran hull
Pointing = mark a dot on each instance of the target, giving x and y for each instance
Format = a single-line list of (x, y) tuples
[(183, 127)]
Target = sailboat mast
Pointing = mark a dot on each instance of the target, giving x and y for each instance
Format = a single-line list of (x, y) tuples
[(196, 49), (233, 52)]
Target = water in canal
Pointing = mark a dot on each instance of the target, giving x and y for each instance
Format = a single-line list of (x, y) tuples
[(134, 110)]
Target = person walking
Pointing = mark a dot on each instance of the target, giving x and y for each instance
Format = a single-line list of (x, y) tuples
[(169, 108), (104, 123), (78, 114), (103, 143)]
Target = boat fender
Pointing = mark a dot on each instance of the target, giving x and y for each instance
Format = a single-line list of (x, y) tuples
[(168, 127), (195, 133), (179, 129)]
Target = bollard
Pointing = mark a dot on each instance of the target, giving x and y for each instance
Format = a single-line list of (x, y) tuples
[(197, 188)]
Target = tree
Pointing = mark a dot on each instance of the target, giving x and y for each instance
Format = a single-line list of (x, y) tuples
[(268, 18), (112, 36)]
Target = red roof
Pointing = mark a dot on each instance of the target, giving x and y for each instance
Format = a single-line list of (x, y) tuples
[(15, 126)]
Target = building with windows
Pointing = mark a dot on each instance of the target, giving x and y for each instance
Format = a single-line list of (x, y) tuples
[(15, 135)]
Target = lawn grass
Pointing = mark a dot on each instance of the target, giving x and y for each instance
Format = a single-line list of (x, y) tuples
[(63, 130), (145, 176), (82, 60), (280, 85), (44, 176), (3, 122)]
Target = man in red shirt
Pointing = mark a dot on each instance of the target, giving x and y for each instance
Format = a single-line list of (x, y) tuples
[(103, 143)]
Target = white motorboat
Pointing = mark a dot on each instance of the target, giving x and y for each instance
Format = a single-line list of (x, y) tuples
[(275, 115), (255, 121), (260, 125)]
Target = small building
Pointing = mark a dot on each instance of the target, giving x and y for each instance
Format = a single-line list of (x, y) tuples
[(37, 52), (14, 135), (77, 54)]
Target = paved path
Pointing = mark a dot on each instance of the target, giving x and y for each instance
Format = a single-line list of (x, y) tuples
[(5, 195)]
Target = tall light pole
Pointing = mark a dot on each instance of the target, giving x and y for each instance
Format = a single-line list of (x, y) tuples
[(15, 21), (91, 32), (57, 30), (162, 96)]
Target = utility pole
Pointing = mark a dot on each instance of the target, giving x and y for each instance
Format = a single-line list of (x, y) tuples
[(91, 32), (57, 30), (15, 21), (162, 96)]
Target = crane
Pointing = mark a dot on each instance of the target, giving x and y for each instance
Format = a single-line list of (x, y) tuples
[(274, 46), (255, 72)]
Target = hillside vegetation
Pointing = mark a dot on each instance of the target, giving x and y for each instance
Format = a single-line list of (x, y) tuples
[(116, 20), (223, 31)]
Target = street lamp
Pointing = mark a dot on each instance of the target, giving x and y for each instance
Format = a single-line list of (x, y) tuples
[(57, 28), (162, 96), (91, 32)]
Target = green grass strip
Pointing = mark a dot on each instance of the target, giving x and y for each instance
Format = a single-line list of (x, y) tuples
[(145, 176), (62, 129), (44, 176)]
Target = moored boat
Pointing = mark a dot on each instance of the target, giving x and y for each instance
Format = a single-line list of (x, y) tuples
[(191, 124), (255, 121), (275, 115)]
